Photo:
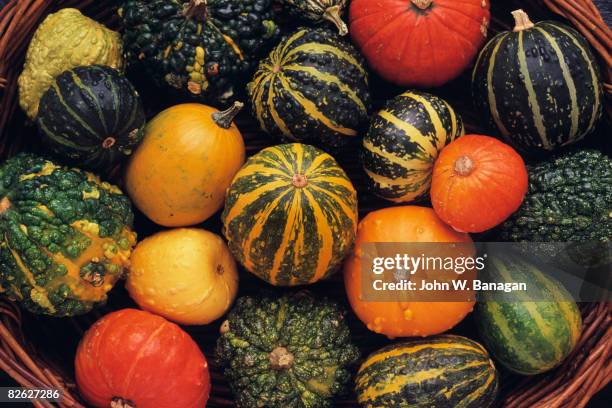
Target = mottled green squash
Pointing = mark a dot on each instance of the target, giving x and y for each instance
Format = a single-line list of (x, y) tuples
[(65, 236), (91, 117), (202, 48), (528, 332), (313, 87), (319, 11), (441, 371), (569, 200), (403, 141), (538, 85), (289, 352), (290, 215), (64, 40)]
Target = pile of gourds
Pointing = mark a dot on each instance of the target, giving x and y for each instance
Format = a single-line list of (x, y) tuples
[(289, 212)]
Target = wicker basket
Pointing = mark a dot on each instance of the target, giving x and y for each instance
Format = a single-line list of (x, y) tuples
[(38, 351)]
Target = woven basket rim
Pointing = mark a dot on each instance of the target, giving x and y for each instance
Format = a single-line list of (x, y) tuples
[(583, 373)]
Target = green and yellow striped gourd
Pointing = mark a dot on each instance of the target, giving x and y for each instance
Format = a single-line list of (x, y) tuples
[(538, 85), (403, 141), (313, 88), (442, 372), (290, 215)]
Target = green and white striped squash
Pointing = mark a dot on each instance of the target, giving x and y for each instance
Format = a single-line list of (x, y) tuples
[(442, 371), (403, 141), (313, 87), (290, 215), (91, 117), (539, 85), (527, 332)]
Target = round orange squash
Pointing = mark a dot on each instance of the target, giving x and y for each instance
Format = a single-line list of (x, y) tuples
[(478, 182), (403, 318), (186, 275), (187, 159)]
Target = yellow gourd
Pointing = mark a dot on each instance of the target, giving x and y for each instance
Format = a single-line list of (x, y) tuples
[(65, 40), (178, 175), (186, 275)]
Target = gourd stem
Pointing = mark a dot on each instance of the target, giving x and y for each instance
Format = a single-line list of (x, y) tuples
[(299, 180), (5, 204), (225, 118), (333, 14), (521, 20), (281, 358), (197, 9), (118, 402), (108, 142), (422, 4), (464, 166)]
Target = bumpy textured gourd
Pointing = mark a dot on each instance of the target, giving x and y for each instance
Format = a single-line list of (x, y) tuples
[(569, 199), (441, 371), (528, 332), (290, 215), (64, 40), (313, 87), (539, 86), (65, 236), (289, 352), (91, 117), (403, 141), (319, 11), (203, 48)]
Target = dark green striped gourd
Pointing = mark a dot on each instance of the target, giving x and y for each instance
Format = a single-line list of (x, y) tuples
[(539, 86), (532, 331), (442, 371), (313, 87), (91, 117), (290, 215), (403, 141)]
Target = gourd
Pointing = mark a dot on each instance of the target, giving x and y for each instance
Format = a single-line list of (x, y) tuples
[(64, 40), (419, 43), (186, 275), (442, 371), (402, 143), (286, 352), (569, 200), (132, 358), (313, 87), (66, 236), (91, 117), (527, 332), (539, 85), (319, 11), (402, 317), (477, 183), (199, 48), (186, 161), (290, 215)]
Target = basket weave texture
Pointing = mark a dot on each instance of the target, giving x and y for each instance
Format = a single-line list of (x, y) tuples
[(37, 352)]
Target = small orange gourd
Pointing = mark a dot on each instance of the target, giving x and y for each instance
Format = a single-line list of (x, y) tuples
[(186, 161), (478, 182), (404, 318)]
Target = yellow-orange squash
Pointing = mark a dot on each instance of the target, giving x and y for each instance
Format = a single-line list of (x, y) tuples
[(186, 275), (404, 318), (187, 159)]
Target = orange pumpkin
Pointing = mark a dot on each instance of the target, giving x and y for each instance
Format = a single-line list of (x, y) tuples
[(403, 318), (186, 161), (477, 183), (420, 43), (132, 358)]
